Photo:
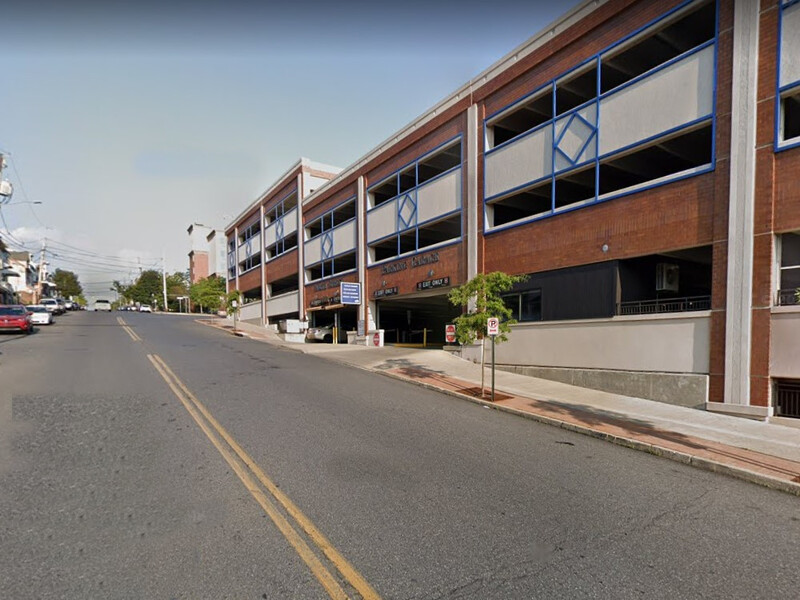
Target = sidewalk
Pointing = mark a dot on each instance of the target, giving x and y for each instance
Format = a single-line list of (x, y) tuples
[(759, 452)]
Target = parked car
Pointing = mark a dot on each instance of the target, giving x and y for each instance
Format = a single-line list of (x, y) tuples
[(40, 315), (51, 304), (15, 316), (145, 308), (320, 334)]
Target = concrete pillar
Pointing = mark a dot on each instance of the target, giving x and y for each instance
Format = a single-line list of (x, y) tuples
[(472, 207), (301, 272), (263, 268), (738, 308)]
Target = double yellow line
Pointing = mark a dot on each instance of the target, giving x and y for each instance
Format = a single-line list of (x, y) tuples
[(251, 476), (128, 330)]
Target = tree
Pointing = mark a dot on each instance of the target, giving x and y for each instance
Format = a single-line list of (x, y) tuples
[(67, 283), (481, 297), (177, 286), (147, 288), (207, 293)]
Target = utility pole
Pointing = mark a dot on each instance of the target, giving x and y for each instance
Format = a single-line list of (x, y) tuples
[(164, 280), (40, 282)]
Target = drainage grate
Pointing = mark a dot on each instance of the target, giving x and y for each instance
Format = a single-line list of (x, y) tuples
[(787, 398)]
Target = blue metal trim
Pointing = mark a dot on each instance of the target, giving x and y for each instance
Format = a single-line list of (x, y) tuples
[(714, 88), (403, 224), (342, 224), (517, 138), (562, 211), (416, 160), (788, 3), (332, 276), (326, 246), (415, 188), (789, 86), (279, 228), (552, 155), (435, 219), (515, 189), (597, 133), (776, 117), (788, 144), (652, 138), (660, 67), (415, 253), (599, 55)]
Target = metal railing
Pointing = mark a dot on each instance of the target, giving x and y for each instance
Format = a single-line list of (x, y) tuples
[(787, 399), (651, 307), (787, 297)]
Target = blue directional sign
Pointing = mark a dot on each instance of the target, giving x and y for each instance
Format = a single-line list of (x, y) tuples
[(350, 293)]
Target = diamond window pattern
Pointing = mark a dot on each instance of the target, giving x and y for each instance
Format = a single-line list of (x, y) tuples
[(407, 212), (327, 245)]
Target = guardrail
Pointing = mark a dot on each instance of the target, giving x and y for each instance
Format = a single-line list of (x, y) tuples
[(670, 305)]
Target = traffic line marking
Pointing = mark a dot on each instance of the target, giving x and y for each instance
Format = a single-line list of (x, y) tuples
[(246, 468), (134, 336)]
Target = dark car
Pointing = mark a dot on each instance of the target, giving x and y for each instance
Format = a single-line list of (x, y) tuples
[(15, 316)]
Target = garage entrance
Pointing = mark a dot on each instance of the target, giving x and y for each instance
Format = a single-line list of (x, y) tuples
[(410, 320), (345, 317)]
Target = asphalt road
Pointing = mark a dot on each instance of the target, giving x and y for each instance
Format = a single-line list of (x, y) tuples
[(115, 484)]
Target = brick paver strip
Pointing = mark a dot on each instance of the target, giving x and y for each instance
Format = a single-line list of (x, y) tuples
[(643, 435)]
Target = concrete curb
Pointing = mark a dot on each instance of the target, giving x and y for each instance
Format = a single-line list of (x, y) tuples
[(674, 455), (706, 464)]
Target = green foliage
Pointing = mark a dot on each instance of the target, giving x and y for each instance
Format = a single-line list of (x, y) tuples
[(67, 282), (147, 288), (177, 285), (481, 296), (230, 298), (207, 293)]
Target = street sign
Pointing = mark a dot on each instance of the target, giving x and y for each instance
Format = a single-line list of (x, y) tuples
[(493, 326), (376, 339), (450, 333), (350, 293)]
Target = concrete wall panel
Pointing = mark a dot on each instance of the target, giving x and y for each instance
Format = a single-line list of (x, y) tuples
[(669, 98), (524, 160), (439, 197)]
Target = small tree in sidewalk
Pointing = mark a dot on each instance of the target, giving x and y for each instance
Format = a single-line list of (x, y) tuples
[(481, 297)]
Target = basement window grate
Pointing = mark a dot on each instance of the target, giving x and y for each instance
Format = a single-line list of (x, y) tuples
[(787, 398)]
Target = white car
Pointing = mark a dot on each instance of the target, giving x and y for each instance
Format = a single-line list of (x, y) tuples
[(102, 305), (145, 308), (40, 315), (320, 334)]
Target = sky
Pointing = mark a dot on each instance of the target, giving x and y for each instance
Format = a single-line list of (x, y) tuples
[(131, 121)]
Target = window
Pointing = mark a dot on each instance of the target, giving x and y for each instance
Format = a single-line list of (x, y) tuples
[(281, 246), (249, 232), (525, 306), (790, 115), (658, 45), (280, 208), (332, 266), (789, 268), (417, 238), (337, 216), (250, 262), (424, 169)]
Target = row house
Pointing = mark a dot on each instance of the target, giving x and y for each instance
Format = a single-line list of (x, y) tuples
[(636, 160)]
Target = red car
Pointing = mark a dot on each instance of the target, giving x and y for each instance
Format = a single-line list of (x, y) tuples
[(15, 316)]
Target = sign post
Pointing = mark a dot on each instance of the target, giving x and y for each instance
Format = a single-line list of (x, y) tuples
[(493, 329)]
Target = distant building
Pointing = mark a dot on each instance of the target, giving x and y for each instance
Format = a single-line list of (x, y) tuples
[(205, 258), (21, 276)]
